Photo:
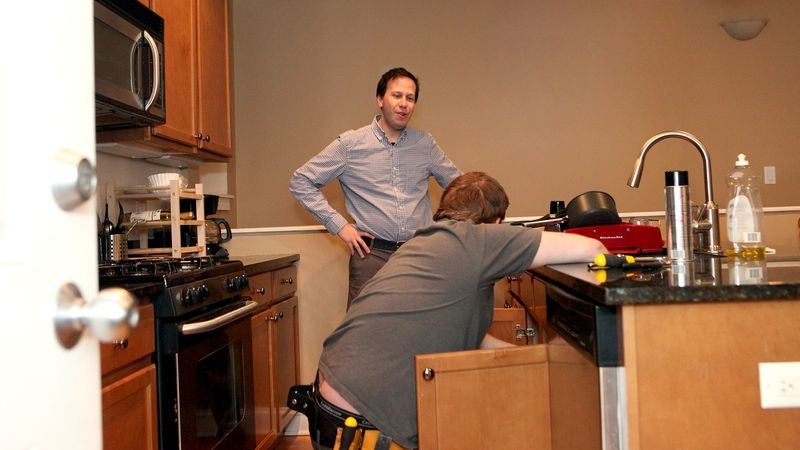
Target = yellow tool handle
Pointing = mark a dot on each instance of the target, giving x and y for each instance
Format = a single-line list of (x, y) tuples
[(348, 433), (612, 260)]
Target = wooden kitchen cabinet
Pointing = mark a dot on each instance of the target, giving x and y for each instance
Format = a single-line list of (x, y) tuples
[(484, 399), (276, 366), (276, 360), (198, 75), (129, 388), (197, 83), (512, 322), (265, 420)]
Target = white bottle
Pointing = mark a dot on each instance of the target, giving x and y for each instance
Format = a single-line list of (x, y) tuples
[(744, 212)]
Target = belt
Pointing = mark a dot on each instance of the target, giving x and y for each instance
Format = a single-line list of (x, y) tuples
[(380, 244)]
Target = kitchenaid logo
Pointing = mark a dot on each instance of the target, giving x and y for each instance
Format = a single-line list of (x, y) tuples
[(603, 238)]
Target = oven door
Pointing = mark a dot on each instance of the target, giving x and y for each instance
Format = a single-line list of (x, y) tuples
[(205, 399)]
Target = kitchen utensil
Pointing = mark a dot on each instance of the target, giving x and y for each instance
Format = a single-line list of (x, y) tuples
[(162, 180), (107, 226), (592, 208), (215, 233), (120, 218), (114, 247)]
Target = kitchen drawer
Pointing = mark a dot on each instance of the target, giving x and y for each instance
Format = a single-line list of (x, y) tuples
[(284, 282), (139, 344), (261, 287)]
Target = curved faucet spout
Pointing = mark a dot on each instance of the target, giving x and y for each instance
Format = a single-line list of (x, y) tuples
[(638, 167), (711, 211)]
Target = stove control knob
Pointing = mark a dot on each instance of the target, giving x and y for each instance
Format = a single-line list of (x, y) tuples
[(203, 292), (190, 296), (184, 297), (230, 284), (244, 282)]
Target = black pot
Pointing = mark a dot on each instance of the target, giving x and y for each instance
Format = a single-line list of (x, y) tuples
[(592, 208)]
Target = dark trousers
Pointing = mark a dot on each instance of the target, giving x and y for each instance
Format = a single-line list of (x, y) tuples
[(363, 269)]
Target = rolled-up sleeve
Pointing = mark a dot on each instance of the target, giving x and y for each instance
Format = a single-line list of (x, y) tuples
[(307, 181)]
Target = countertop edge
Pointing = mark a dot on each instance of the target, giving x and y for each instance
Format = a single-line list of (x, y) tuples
[(254, 264)]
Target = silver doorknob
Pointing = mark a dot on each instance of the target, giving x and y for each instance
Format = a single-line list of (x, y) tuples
[(110, 317), (74, 179)]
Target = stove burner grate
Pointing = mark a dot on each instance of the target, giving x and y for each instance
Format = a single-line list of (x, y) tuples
[(159, 266)]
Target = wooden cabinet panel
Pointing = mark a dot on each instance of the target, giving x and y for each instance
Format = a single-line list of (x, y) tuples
[(574, 399), (266, 413), (139, 344), (214, 77), (506, 323), (129, 412), (484, 399), (180, 77), (261, 287), (284, 348), (284, 282)]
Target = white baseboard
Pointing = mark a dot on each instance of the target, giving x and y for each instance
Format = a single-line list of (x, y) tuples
[(297, 427)]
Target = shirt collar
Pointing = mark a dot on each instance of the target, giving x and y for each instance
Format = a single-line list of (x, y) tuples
[(381, 135)]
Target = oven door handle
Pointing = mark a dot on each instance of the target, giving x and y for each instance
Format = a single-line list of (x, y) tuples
[(219, 321)]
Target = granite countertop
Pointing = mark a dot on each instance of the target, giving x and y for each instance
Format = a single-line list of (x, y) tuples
[(706, 279), (264, 263)]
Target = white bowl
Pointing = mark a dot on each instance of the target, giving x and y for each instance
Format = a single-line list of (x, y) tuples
[(163, 179)]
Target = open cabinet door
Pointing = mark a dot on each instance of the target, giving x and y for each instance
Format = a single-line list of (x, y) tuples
[(484, 399)]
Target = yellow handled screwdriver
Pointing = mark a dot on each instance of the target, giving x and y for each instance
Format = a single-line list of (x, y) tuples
[(610, 260), (348, 433)]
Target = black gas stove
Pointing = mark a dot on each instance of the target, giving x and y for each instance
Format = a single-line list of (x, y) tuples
[(188, 284), (203, 347)]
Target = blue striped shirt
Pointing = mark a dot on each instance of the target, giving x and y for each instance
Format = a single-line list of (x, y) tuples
[(385, 185)]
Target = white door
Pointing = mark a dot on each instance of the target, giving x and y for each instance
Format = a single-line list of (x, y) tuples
[(50, 395)]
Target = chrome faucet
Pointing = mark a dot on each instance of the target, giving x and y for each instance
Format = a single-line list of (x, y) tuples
[(706, 225)]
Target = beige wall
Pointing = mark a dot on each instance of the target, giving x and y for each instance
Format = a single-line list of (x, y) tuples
[(553, 98)]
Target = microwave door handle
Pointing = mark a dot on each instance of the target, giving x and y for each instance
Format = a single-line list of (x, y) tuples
[(156, 70), (134, 66)]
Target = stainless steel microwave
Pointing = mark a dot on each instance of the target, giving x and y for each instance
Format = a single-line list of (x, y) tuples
[(128, 65)]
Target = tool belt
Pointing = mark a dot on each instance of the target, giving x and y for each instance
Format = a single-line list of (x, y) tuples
[(380, 244), (364, 439), (326, 423)]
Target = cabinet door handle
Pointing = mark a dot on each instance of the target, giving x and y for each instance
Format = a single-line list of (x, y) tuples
[(261, 291), (198, 136), (289, 280), (428, 374), (276, 317), (207, 137), (121, 343)]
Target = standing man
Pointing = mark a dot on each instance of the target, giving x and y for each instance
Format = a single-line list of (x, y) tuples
[(383, 169), (434, 295)]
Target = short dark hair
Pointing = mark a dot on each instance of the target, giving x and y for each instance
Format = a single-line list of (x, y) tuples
[(390, 75), (474, 196)]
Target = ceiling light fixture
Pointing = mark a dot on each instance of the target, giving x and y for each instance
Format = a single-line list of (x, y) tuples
[(744, 29)]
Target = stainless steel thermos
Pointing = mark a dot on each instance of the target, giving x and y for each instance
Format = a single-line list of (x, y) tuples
[(678, 212)]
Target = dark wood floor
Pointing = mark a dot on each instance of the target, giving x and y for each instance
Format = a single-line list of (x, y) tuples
[(294, 443)]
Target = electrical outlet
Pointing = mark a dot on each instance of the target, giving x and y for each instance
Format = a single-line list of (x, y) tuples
[(769, 175), (780, 384)]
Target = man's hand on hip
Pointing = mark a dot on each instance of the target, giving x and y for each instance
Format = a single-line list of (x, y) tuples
[(352, 238)]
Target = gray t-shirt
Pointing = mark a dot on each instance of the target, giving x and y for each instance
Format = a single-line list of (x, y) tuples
[(434, 295)]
